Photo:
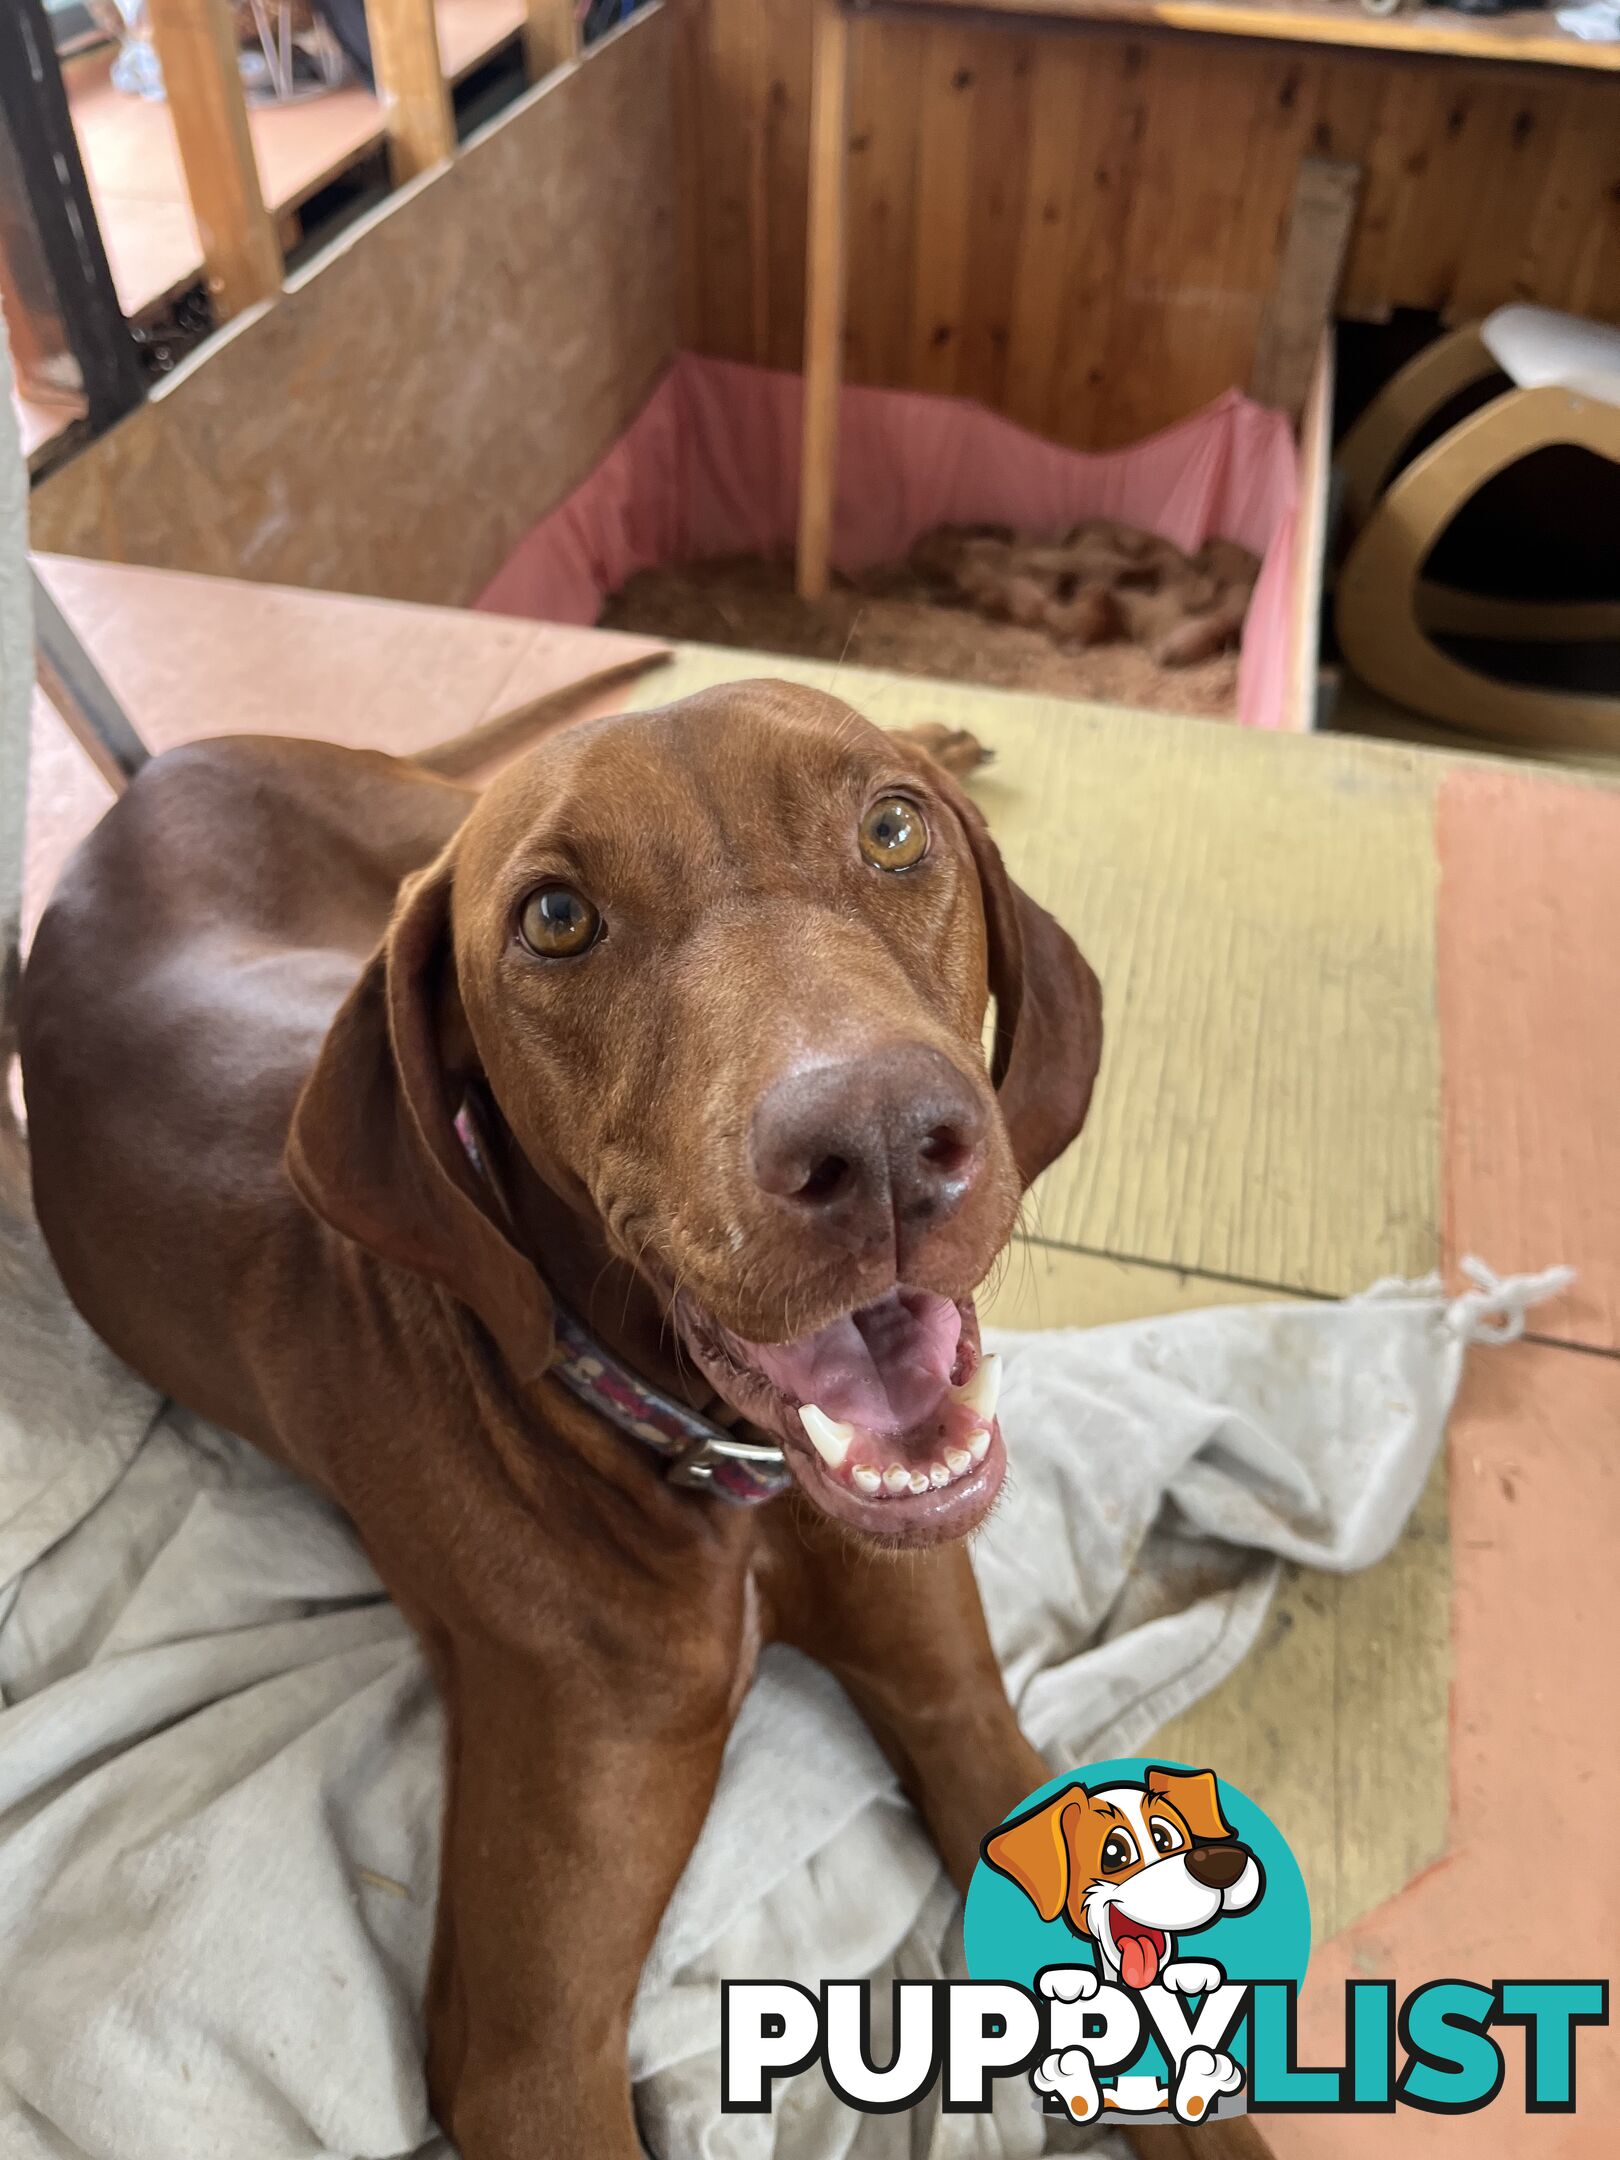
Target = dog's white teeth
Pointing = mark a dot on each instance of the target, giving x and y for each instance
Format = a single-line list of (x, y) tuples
[(900, 1478), (829, 1439), (983, 1391)]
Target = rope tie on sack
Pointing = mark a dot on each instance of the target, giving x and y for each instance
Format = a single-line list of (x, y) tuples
[(1494, 1310)]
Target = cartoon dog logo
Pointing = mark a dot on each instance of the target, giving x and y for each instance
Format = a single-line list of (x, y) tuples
[(1132, 1869)]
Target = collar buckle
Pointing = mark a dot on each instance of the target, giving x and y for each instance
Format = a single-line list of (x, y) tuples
[(703, 1464)]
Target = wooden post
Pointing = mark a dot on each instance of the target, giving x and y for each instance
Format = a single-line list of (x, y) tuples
[(196, 47), (1301, 303), (824, 294), (550, 35), (410, 84)]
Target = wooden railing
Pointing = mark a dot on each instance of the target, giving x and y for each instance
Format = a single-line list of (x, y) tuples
[(196, 44)]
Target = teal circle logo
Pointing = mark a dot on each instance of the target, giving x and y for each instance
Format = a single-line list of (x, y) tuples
[(1128, 1895)]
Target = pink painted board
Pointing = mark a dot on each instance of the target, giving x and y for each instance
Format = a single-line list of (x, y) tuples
[(1529, 989)]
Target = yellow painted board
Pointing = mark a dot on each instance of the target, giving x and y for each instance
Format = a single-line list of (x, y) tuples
[(1260, 909), (1047, 1286), (1337, 1721)]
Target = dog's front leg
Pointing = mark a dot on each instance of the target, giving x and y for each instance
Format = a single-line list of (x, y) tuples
[(907, 1638), (575, 1796)]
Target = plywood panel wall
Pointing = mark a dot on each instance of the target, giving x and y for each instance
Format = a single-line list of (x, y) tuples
[(1080, 227), (419, 397)]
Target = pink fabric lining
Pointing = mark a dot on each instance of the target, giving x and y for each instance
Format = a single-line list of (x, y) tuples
[(710, 466)]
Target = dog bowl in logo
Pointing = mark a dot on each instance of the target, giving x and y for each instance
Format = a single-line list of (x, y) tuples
[(1138, 1900)]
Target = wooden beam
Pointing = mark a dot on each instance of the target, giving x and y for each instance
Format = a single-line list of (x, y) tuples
[(196, 47), (1310, 543), (1433, 32), (550, 35), (824, 293), (1301, 303), (410, 85)]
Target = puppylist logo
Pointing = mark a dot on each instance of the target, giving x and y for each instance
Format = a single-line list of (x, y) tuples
[(1137, 1934)]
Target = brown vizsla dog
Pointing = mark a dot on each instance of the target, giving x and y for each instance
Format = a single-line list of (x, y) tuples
[(350, 1088)]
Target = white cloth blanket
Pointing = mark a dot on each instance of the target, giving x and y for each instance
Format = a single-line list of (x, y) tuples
[(219, 1753)]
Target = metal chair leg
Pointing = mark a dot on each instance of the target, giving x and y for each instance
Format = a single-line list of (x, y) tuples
[(80, 693)]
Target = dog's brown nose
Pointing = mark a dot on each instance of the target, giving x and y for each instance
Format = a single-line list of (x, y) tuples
[(1217, 1867), (873, 1148)]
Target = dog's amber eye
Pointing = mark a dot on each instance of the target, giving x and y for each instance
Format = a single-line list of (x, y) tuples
[(1119, 1850), (1166, 1837), (557, 922), (893, 835)]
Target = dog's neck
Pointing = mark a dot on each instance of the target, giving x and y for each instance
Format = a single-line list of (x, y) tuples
[(622, 1365), (619, 1307)]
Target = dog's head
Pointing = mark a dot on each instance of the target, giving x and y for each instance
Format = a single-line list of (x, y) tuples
[(1131, 1866), (720, 974)]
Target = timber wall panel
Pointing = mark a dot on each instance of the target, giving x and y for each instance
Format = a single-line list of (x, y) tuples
[(1080, 227), (436, 382)]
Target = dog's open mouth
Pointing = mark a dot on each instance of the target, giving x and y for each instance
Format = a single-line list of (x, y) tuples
[(1141, 1948), (887, 1416)]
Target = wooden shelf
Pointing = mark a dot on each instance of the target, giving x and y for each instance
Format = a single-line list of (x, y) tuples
[(133, 167), (1529, 38)]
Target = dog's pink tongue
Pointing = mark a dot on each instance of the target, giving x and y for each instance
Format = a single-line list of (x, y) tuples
[(1138, 1961), (882, 1369)]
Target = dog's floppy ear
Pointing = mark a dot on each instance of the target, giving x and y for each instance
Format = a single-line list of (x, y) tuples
[(1196, 1798), (374, 1147), (1033, 1851), (1048, 1008)]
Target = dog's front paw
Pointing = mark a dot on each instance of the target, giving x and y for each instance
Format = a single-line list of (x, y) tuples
[(1191, 1976), (1072, 2078), (1068, 1983), (1201, 2078)]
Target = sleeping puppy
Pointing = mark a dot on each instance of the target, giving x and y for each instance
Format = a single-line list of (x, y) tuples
[(585, 1183)]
